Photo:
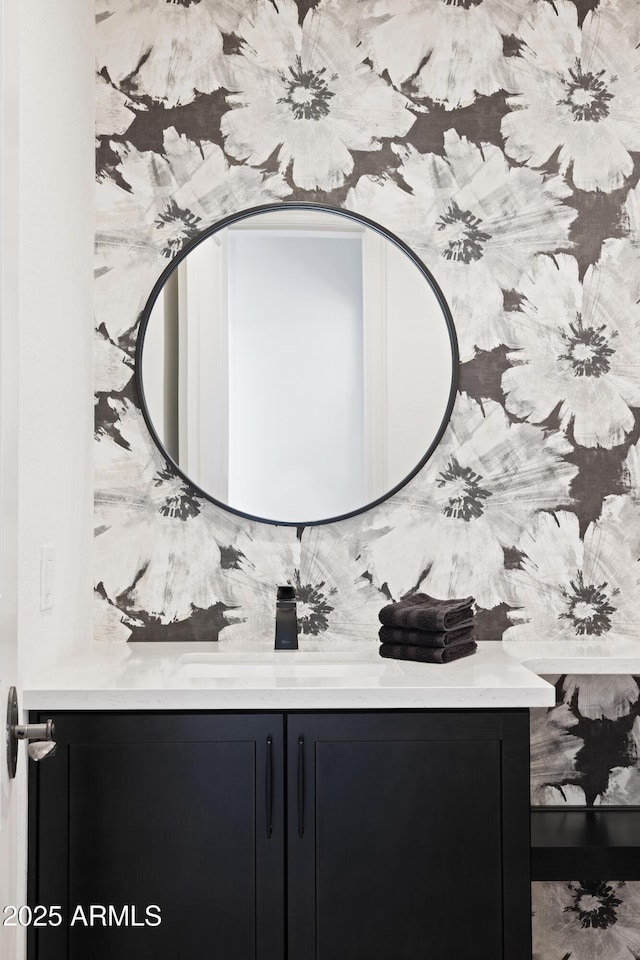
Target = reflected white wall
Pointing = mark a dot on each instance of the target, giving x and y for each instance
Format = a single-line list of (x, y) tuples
[(295, 374), (419, 364), (153, 367)]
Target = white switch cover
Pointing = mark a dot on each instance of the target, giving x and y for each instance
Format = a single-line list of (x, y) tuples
[(47, 565)]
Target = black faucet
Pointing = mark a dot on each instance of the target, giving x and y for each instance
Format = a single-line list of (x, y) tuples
[(286, 619)]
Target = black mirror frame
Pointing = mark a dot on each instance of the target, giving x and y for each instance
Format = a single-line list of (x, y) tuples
[(272, 208)]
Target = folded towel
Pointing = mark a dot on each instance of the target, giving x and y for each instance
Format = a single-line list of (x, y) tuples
[(427, 638), (400, 651), (422, 612)]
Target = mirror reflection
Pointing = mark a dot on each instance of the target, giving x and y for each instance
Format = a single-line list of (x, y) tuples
[(297, 365)]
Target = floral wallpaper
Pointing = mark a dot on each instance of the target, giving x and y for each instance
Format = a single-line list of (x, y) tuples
[(586, 749), (501, 140), (586, 920)]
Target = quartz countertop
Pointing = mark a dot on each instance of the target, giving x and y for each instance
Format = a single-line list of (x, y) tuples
[(576, 656), (234, 676)]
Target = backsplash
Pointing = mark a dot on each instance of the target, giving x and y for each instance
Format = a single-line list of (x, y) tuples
[(515, 178)]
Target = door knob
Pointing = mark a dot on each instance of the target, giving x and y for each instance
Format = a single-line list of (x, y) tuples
[(41, 734)]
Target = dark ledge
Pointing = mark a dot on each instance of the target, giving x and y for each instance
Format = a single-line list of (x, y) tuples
[(593, 843)]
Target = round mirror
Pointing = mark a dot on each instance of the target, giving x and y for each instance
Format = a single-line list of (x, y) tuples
[(296, 363)]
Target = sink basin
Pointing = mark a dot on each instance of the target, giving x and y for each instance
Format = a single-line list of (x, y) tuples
[(213, 669)]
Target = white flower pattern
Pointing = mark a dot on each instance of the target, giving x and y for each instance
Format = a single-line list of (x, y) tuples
[(591, 920), (114, 113), (167, 576), (162, 202), (573, 588), (576, 91), (553, 752), (335, 601), (168, 51), (577, 346), (622, 255), (486, 480), (602, 696), (416, 41), (305, 94), (623, 788), (476, 221)]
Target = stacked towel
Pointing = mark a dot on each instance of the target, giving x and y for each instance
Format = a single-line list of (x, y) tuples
[(426, 638), (426, 629), (422, 612), (402, 651)]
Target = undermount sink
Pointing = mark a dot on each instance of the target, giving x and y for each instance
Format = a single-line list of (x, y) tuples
[(203, 668)]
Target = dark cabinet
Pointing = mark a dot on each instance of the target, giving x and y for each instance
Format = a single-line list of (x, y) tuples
[(166, 810), (306, 836), (409, 836)]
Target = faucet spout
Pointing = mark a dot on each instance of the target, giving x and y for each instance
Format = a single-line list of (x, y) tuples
[(286, 619)]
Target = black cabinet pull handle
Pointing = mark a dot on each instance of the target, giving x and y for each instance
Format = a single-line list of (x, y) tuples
[(300, 786), (269, 787)]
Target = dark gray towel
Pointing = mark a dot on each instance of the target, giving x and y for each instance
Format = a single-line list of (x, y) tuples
[(422, 612), (399, 651), (427, 638)]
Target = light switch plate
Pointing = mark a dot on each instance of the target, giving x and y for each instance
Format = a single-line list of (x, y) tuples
[(47, 570)]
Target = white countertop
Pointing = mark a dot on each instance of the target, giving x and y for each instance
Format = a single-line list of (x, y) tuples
[(576, 656), (205, 676)]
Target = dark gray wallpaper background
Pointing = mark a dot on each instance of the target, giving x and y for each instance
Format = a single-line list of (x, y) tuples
[(515, 177)]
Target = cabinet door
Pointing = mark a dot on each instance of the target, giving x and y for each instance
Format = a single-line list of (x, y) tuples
[(408, 836), (182, 812)]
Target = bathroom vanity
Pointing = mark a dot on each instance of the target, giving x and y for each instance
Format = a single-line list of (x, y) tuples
[(322, 834), (379, 818), (320, 803)]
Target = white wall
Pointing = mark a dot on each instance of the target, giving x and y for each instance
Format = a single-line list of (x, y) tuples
[(56, 311), (12, 793)]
